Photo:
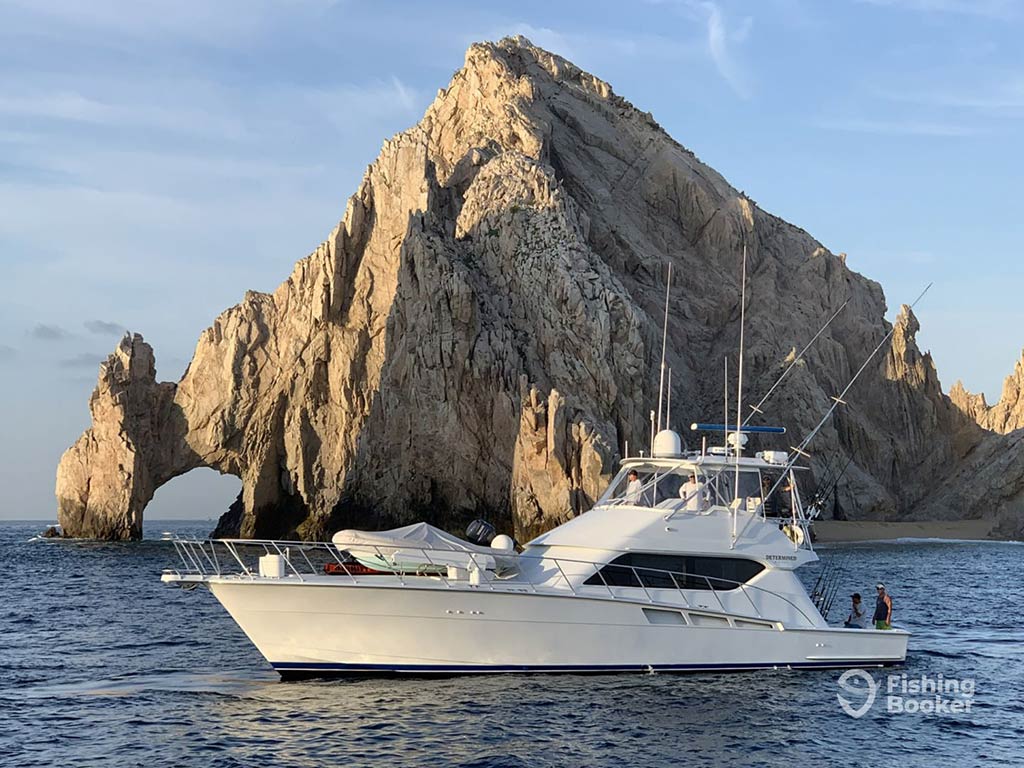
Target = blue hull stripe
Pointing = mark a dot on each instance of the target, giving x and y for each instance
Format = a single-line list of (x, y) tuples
[(302, 666)]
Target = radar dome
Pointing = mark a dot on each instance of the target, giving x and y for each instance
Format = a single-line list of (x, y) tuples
[(503, 542), (667, 444)]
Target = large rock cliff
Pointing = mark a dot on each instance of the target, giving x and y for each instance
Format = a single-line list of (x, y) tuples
[(479, 334)]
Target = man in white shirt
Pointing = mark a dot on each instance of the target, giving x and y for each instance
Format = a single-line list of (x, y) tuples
[(633, 488), (858, 617), (693, 492)]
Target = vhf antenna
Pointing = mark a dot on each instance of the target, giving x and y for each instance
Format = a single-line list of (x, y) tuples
[(664, 343)]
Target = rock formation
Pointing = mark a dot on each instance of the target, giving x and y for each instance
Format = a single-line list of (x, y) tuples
[(479, 335), (1005, 416)]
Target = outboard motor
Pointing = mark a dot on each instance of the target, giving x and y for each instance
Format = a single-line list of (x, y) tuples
[(481, 532)]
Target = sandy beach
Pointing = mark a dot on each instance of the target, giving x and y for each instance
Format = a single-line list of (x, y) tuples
[(869, 530)]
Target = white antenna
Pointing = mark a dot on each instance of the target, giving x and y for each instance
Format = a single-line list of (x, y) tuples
[(725, 408), (738, 437), (668, 402), (739, 383), (664, 342)]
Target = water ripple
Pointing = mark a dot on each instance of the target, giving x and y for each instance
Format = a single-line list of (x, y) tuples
[(104, 665)]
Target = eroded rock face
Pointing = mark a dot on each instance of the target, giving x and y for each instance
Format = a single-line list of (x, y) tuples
[(135, 445), (1005, 416), (479, 336)]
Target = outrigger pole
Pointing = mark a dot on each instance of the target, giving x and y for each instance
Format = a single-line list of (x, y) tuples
[(757, 408), (799, 450)]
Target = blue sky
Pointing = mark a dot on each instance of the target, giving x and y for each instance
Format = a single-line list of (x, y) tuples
[(158, 159)]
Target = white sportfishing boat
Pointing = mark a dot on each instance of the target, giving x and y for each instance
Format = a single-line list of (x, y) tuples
[(672, 571), (687, 562)]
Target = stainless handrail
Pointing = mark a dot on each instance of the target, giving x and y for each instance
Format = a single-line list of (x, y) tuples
[(195, 566)]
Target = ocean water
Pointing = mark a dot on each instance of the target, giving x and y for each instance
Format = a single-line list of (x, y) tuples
[(102, 665)]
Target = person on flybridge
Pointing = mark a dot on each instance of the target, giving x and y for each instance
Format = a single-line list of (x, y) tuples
[(633, 488), (694, 494)]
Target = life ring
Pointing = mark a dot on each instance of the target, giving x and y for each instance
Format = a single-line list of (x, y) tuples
[(794, 533)]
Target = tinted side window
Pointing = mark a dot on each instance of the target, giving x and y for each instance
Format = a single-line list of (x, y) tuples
[(636, 569)]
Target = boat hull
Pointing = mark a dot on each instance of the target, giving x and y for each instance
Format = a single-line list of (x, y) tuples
[(304, 629)]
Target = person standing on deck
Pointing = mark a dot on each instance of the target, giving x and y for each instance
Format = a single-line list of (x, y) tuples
[(694, 494), (633, 487), (858, 613), (883, 609)]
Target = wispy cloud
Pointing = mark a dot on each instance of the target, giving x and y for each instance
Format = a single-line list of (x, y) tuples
[(896, 127), (45, 332), (226, 24), (994, 9), (996, 96), (346, 105), (82, 360), (7, 352), (720, 40), (103, 327), (592, 50), (179, 113), (547, 38)]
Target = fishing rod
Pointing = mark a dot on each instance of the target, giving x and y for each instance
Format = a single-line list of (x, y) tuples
[(825, 479), (826, 582), (826, 591), (816, 594), (835, 587), (835, 482), (826, 585), (829, 483)]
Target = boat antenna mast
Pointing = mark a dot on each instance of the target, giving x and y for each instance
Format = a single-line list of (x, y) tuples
[(725, 408), (664, 344), (668, 402), (737, 437)]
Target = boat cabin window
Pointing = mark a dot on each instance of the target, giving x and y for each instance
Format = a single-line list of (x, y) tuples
[(645, 487), (636, 569), (675, 486)]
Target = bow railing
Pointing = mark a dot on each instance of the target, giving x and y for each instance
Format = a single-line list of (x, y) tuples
[(305, 561)]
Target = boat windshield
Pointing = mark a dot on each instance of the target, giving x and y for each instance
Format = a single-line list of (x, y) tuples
[(691, 488)]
